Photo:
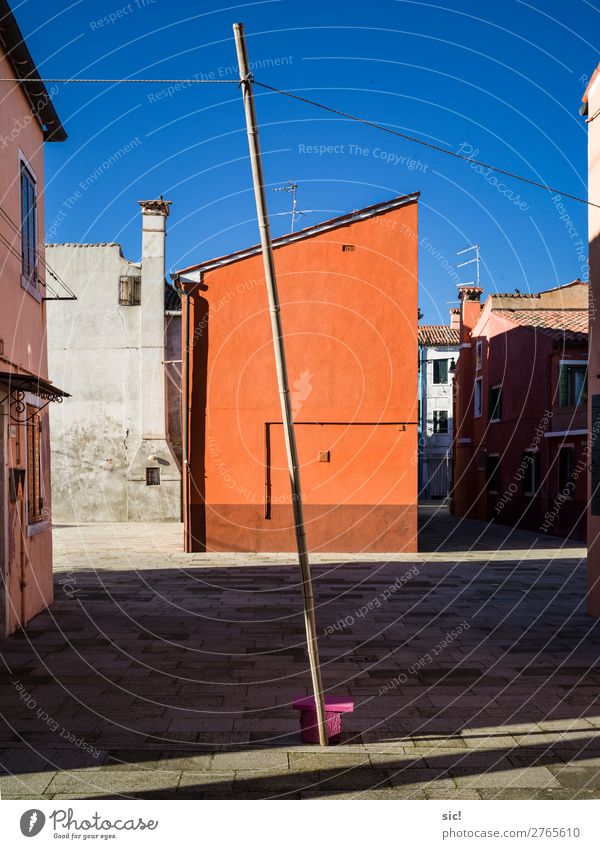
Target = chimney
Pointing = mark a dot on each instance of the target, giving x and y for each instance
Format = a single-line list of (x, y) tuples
[(153, 479), (454, 318), (154, 235), (470, 309)]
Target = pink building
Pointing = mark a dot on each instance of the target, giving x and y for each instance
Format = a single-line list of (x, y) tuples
[(591, 108), (27, 119), (520, 409)]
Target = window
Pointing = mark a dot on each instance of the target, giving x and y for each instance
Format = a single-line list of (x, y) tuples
[(478, 397), (130, 294), (440, 371), (566, 462), (152, 476), (35, 499), (493, 474), (573, 383), (347, 248), (440, 421), (531, 466), (495, 409), (28, 227), (479, 354)]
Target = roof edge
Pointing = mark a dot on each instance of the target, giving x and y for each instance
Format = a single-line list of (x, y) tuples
[(17, 53), (331, 224)]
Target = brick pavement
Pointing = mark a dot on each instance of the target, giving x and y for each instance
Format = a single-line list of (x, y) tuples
[(162, 675)]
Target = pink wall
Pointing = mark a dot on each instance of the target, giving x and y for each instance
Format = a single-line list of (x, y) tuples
[(27, 555)]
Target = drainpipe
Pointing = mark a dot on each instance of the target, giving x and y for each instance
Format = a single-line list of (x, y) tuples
[(185, 436)]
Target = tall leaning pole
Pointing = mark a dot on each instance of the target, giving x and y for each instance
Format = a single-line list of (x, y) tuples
[(282, 378)]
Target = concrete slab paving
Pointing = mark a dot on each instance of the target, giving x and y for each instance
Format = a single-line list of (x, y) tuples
[(474, 670)]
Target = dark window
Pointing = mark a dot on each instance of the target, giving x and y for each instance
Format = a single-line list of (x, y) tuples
[(440, 421), (573, 384), (566, 463), (595, 443), (28, 226), (478, 403), (478, 354), (35, 499), (152, 476), (130, 294), (440, 371), (493, 474), (495, 407), (531, 466)]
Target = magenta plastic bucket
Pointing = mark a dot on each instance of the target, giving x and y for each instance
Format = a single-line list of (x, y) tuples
[(334, 708)]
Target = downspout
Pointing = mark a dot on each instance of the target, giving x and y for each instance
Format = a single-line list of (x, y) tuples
[(185, 436)]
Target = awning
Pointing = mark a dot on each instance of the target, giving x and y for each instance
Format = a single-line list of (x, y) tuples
[(19, 384)]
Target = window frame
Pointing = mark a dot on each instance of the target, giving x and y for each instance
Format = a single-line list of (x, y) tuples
[(35, 466), (492, 388), (572, 364), (30, 280), (436, 422), (478, 382), (478, 354), (436, 363)]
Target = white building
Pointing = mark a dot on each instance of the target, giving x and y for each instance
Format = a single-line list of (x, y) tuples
[(438, 351), (114, 452)]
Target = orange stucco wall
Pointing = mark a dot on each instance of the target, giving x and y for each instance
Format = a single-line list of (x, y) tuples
[(349, 319), (26, 551)]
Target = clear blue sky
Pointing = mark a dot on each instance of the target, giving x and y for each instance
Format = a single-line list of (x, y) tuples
[(504, 78)]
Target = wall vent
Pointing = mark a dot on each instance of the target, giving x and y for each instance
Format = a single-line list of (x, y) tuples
[(347, 247)]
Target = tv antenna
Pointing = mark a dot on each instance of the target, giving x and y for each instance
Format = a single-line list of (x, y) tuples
[(476, 259), (291, 188)]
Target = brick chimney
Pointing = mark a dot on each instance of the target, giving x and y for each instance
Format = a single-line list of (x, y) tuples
[(454, 318), (470, 310), (154, 477)]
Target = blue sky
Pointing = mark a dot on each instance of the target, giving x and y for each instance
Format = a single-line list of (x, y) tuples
[(504, 79)]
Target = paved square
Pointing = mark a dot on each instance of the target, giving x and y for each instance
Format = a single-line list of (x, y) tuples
[(155, 674)]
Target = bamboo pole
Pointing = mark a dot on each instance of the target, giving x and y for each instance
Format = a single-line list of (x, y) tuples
[(282, 378)]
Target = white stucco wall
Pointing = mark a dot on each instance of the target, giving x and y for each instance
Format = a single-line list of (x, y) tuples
[(434, 447), (110, 358)]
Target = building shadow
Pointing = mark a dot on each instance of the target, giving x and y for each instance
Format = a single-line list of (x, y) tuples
[(131, 663)]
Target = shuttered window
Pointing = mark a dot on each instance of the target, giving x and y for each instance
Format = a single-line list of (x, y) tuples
[(35, 498)]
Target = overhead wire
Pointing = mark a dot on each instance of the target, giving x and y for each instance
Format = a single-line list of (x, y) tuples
[(16, 229), (193, 80), (339, 112), (430, 145)]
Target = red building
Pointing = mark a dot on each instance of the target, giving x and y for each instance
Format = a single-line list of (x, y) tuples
[(591, 109), (520, 409), (348, 290)]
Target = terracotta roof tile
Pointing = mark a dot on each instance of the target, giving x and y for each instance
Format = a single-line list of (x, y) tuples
[(438, 334), (560, 324)]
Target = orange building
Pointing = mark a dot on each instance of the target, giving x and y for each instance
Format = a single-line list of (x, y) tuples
[(348, 290), (27, 120)]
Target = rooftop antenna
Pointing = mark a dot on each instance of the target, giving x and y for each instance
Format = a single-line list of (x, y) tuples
[(293, 189), (476, 259)]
